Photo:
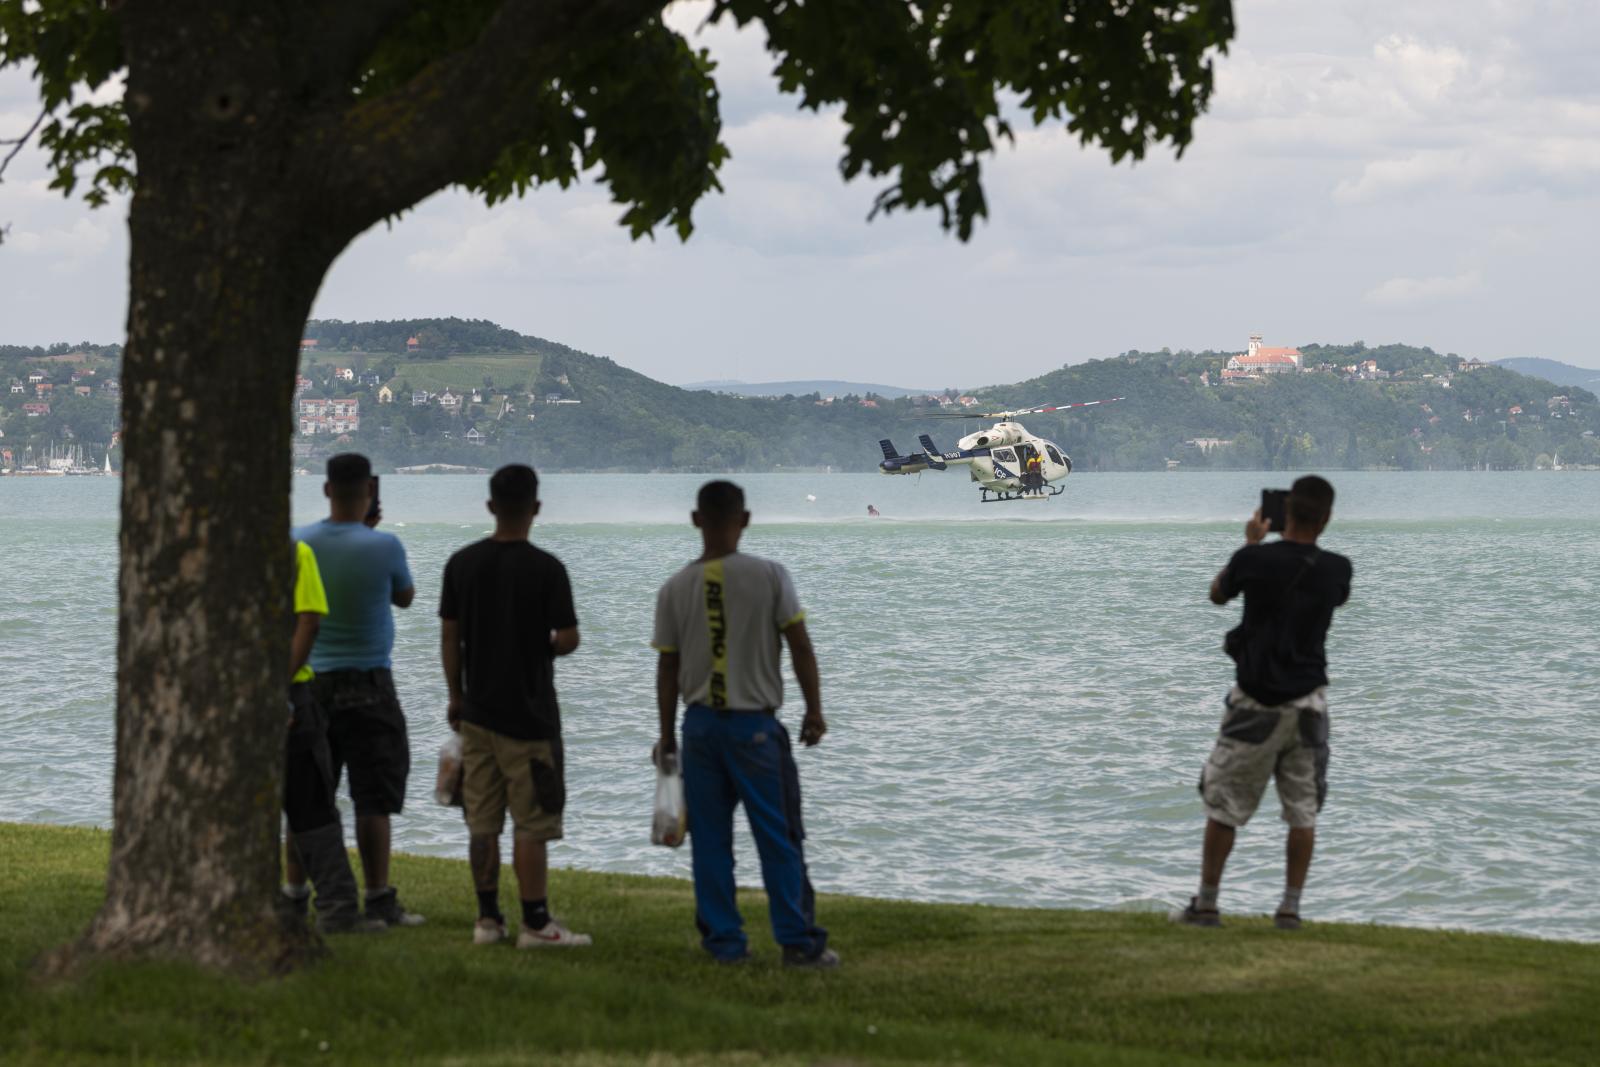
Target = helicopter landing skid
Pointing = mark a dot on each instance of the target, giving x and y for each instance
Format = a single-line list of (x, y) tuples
[(994, 496)]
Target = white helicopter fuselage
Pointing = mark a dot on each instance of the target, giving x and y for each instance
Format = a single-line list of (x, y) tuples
[(1009, 446), (1005, 460)]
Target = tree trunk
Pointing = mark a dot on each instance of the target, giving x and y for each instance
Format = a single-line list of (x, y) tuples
[(227, 256)]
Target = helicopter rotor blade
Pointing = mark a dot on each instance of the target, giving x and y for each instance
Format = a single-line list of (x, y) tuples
[(1047, 409)]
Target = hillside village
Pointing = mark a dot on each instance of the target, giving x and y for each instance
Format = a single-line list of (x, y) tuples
[(425, 393)]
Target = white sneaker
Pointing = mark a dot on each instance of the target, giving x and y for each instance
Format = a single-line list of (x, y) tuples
[(488, 934), (552, 935)]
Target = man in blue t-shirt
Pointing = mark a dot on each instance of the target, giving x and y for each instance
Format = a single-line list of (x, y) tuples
[(364, 573)]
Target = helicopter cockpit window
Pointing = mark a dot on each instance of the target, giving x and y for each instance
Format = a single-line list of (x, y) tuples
[(1055, 457), (1005, 455)]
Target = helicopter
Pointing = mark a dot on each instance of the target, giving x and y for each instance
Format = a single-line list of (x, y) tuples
[(996, 458)]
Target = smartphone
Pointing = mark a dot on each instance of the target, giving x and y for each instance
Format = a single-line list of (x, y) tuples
[(372, 510), (1275, 508)]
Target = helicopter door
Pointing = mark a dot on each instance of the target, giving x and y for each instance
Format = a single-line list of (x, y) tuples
[(1025, 452), (1008, 459)]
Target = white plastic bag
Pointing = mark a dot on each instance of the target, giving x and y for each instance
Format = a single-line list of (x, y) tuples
[(447, 786), (671, 822)]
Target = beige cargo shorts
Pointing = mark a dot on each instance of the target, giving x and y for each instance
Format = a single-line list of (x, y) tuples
[(499, 772), (1287, 743)]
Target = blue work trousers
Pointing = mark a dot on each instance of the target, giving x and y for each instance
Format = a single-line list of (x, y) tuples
[(731, 757)]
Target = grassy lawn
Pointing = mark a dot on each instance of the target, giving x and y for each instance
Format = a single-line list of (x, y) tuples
[(921, 983), (511, 373)]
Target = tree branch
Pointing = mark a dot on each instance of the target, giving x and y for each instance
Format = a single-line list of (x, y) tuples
[(453, 119), (345, 34), (17, 143)]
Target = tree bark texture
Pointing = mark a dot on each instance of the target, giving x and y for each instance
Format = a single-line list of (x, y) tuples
[(227, 257), (257, 164)]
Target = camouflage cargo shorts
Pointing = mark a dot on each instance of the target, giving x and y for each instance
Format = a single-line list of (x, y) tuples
[(1287, 743)]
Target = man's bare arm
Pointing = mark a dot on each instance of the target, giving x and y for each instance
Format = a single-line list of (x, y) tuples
[(306, 625), (667, 699), (450, 657), (804, 657), (565, 641), (404, 597)]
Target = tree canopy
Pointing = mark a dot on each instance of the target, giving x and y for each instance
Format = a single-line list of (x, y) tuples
[(258, 140), (504, 95)]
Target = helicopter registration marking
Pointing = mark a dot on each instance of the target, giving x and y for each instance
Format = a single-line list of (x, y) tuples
[(717, 621)]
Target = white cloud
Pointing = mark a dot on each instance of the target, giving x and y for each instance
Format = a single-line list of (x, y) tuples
[(1349, 142), (62, 248), (1413, 292)]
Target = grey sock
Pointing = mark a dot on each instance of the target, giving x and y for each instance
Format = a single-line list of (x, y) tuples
[(1206, 899), (1290, 905), (296, 892)]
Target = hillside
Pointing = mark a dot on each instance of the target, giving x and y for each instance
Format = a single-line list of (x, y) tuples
[(824, 387), (921, 983), (1553, 371), (472, 393)]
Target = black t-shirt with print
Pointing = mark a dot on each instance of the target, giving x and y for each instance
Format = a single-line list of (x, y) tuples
[(1290, 591), (507, 597)]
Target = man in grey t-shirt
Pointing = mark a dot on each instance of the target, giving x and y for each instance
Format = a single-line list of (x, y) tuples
[(718, 627)]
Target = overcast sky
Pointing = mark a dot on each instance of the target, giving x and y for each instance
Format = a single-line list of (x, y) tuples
[(1425, 172)]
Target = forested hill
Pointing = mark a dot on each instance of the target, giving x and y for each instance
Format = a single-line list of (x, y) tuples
[(1405, 407), (471, 392), (1553, 371), (1414, 409)]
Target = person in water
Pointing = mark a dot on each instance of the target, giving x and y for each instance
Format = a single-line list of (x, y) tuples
[(872, 512)]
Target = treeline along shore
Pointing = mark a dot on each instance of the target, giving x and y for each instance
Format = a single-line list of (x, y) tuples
[(473, 394)]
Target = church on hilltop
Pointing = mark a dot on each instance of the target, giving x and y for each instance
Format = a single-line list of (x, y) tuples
[(1259, 359)]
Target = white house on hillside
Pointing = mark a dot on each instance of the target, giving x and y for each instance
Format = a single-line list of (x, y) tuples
[(1259, 359)]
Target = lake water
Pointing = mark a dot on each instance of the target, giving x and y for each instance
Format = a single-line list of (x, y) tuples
[(1020, 695)]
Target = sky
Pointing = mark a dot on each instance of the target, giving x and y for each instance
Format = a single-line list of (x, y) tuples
[(1425, 172)]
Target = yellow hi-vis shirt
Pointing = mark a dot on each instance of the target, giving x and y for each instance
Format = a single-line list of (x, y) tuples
[(309, 596)]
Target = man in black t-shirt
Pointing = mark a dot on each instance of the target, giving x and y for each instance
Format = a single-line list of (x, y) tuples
[(506, 612), (1276, 722)]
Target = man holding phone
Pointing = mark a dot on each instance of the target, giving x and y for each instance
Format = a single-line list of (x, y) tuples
[(1276, 722), (365, 575)]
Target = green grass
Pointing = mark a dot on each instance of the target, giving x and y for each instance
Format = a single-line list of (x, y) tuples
[(921, 983), (511, 373)]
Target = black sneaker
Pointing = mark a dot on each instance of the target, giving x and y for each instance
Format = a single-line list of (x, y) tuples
[(1191, 915), (351, 923), (1285, 921), (387, 907), (824, 960)]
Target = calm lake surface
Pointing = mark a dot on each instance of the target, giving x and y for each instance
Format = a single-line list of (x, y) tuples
[(1021, 695)]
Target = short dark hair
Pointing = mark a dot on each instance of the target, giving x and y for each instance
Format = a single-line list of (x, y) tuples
[(349, 473), (719, 501), (514, 489), (1310, 501)]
